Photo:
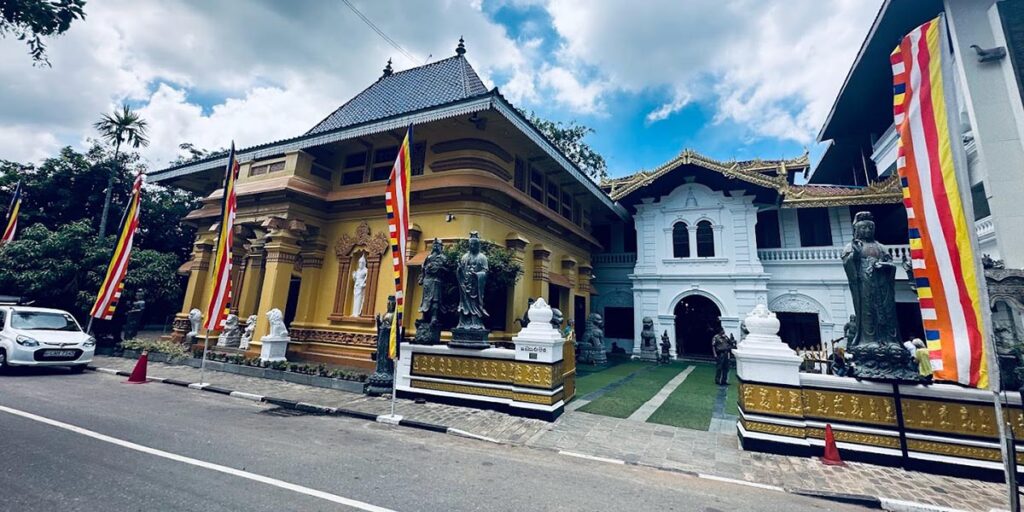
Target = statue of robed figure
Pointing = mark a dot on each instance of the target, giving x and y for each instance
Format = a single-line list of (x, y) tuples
[(871, 273), (472, 279), (428, 327), (380, 382)]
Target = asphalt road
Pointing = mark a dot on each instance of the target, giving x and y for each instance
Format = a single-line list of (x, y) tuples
[(197, 451)]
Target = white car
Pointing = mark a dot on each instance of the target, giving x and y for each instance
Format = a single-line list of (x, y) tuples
[(43, 337)]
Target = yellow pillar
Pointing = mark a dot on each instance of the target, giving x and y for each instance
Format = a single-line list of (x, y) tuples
[(312, 253), (195, 291), (586, 272), (541, 272), (249, 295), (282, 249), (516, 243)]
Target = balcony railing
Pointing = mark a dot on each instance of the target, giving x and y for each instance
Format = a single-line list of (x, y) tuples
[(819, 254), (985, 227), (621, 258)]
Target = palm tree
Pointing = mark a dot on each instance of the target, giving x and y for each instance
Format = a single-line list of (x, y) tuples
[(124, 127)]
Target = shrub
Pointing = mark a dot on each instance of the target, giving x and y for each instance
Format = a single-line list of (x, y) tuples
[(172, 349)]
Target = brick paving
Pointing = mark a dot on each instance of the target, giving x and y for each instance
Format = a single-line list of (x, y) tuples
[(660, 446)]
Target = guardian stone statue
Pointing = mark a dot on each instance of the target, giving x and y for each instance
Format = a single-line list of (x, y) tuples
[(380, 382), (231, 337), (592, 349), (195, 321), (648, 341), (250, 329), (277, 327), (428, 327)]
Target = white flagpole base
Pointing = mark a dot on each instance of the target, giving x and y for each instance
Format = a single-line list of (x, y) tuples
[(390, 419)]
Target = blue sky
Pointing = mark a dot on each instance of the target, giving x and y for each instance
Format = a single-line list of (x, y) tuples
[(732, 79)]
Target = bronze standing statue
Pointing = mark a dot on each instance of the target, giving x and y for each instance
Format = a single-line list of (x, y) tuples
[(428, 327), (380, 382), (472, 277), (871, 272)]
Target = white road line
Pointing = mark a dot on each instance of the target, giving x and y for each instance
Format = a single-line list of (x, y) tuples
[(741, 482), (590, 457), (470, 435), (647, 409), (247, 396), (203, 464)]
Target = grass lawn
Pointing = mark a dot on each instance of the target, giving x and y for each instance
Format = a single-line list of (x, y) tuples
[(732, 399), (623, 401), (692, 403), (593, 381)]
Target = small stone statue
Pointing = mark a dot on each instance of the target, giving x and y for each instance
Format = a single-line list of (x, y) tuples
[(358, 286), (592, 349), (876, 348), (525, 320), (666, 349), (648, 341), (133, 319), (557, 318), (380, 382), (743, 329), (195, 320), (850, 331), (250, 328), (428, 327), (277, 327), (472, 279), (231, 337)]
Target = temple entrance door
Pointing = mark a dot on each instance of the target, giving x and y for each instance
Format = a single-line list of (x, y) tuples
[(293, 299), (697, 319)]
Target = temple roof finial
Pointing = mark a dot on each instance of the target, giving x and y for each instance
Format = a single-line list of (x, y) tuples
[(461, 49), (387, 69)]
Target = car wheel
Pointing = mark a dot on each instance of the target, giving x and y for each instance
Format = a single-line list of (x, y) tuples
[(78, 368), (3, 361)]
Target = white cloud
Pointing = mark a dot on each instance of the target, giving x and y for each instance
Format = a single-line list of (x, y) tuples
[(569, 91)]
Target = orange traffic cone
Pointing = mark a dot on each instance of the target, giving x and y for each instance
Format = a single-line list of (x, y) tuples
[(831, 457), (138, 375)]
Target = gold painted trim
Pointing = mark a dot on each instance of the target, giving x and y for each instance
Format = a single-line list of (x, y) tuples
[(501, 371), (844, 436), (488, 392), (771, 428)]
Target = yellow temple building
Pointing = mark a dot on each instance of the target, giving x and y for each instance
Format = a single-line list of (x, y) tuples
[(310, 207)]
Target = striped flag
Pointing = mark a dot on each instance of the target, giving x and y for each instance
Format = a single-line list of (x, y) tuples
[(217, 311), (113, 283), (396, 200), (12, 216), (943, 261)]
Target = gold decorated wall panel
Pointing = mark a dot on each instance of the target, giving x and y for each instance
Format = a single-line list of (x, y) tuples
[(849, 407), (499, 371)]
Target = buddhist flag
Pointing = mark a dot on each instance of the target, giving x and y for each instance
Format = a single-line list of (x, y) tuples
[(221, 298), (944, 266), (12, 216), (113, 283), (396, 200)]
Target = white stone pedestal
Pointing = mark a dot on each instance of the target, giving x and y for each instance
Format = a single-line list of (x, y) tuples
[(762, 356), (539, 342), (274, 348)]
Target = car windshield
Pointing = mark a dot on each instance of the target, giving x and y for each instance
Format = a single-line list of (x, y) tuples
[(43, 321)]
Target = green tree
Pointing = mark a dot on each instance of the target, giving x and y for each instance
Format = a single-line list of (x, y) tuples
[(568, 138), (123, 127), (32, 20)]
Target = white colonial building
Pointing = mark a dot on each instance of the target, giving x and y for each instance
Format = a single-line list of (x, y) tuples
[(710, 240)]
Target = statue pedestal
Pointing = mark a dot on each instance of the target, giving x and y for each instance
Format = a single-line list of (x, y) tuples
[(762, 356), (274, 348), (379, 383), (649, 354), (469, 337), (532, 380), (885, 362)]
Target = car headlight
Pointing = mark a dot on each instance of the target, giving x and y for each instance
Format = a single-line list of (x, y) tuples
[(25, 341), (89, 342)]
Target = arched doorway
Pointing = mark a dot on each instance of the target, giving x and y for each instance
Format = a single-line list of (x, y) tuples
[(697, 320)]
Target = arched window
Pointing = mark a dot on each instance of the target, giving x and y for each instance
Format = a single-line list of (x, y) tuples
[(705, 240), (680, 240)]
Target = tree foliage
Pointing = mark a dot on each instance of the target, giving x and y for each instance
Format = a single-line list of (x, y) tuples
[(568, 138), (503, 271), (32, 20), (58, 260)]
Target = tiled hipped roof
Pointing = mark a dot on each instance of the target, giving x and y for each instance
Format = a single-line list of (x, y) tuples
[(770, 174), (430, 85)]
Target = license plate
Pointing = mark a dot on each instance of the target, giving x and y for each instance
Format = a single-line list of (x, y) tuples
[(59, 353)]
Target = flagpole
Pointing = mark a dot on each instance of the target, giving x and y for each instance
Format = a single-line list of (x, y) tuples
[(88, 326), (202, 365)]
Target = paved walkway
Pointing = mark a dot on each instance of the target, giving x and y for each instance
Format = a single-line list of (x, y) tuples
[(721, 422), (648, 444), (647, 409)]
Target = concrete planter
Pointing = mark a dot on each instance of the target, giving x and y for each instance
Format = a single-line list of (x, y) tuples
[(339, 384), (158, 357), (297, 378)]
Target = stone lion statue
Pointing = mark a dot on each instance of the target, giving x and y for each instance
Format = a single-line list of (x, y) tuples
[(231, 336), (250, 328), (195, 320), (277, 327)]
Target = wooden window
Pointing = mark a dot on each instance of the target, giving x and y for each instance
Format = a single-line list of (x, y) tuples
[(767, 230), (567, 205), (552, 196), (577, 213), (352, 177), (520, 175), (815, 228), (276, 166), (354, 168), (705, 240), (680, 240), (419, 158), (257, 170), (536, 184), (383, 161)]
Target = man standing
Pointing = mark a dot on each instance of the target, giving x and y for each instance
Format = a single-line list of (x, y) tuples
[(720, 349)]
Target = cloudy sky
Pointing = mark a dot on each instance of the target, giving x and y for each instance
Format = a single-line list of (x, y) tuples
[(730, 78)]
